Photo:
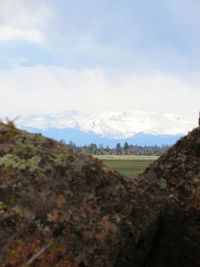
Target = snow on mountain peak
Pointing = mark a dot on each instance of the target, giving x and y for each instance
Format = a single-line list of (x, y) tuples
[(113, 124)]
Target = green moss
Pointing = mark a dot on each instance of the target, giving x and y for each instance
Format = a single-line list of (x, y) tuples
[(23, 148), (59, 159), (13, 161), (92, 196), (17, 210), (162, 183), (33, 163)]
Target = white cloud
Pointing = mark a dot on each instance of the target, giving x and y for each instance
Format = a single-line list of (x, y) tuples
[(8, 33), (25, 20), (25, 90), (25, 13)]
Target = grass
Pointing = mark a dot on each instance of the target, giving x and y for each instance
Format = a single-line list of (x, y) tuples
[(129, 166)]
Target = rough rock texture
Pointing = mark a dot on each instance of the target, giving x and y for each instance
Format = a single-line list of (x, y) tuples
[(60, 208), (53, 196), (177, 174)]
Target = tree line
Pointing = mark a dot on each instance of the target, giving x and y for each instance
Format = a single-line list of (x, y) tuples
[(125, 149)]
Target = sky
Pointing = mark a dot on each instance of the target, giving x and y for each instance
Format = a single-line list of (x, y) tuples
[(99, 55)]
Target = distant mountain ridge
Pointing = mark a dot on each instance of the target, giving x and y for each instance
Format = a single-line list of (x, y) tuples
[(108, 128)]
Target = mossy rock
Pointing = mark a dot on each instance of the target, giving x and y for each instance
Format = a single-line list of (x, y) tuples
[(62, 208)]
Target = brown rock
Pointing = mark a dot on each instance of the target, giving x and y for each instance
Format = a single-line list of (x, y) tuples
[(61, 208), (177, 241)]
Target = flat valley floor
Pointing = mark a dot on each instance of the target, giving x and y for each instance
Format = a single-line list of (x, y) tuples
[(127, 165)]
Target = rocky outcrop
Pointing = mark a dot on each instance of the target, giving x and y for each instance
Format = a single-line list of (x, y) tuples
[(60, 208), (173, 184)]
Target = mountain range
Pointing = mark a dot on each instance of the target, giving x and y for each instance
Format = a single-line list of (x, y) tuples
[(110, 127)]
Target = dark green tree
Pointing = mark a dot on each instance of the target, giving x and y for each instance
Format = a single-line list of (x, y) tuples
[(118, 149), (126, 147)]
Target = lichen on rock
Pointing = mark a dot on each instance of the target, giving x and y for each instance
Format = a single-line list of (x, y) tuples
[(62, 208), (13, 161)]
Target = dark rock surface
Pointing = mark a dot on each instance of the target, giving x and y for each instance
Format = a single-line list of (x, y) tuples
[(60, 208), (177, 174)]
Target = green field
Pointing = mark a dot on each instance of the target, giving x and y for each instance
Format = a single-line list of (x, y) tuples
[(129, 166)]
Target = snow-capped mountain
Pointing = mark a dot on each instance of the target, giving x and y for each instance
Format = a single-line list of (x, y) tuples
[(112, 125)]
